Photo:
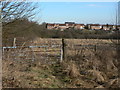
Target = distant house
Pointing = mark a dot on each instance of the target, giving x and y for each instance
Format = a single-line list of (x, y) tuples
[(108, 27), (50, 26), (62, 26), (94, 26), (116, 27), (69, 25), (79, 26), (56, 26)]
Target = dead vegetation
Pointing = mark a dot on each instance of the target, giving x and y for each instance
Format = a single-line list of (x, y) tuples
[(82, 68)]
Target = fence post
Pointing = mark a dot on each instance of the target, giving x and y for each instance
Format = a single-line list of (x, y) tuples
[(14, 42), (62, 50), (95, 48)]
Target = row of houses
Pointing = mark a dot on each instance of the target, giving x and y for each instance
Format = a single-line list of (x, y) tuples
[(69, 25)]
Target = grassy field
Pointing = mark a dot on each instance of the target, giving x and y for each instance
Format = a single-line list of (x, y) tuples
[(83, 67)]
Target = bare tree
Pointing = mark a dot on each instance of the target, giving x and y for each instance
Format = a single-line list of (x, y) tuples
[(12, 10)]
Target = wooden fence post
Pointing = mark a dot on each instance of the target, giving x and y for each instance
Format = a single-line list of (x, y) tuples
[(62, 50), (14, 42), (95, 48)]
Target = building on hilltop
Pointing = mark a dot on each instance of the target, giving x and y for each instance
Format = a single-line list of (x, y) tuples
[(50, 26), (66, 25), (79, 26), (94, 26), (62, 26), (71, 25), (108, 27)]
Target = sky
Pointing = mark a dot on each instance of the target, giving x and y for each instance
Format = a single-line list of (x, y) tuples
[(79, 12), (70, 0)]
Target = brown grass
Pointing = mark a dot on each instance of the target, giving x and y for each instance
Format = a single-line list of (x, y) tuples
[(82, 67)]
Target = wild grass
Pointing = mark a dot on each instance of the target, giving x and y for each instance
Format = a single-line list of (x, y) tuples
[(82, 68)]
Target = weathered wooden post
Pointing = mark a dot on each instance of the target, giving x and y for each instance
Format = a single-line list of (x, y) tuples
[(95, 48), (14, 42), (62, 50)]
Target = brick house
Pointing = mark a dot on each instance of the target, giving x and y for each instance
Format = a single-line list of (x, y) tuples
[(79, 26), (50, 26), (108, 27), (94, 26), (67, 25), (56, 26), (114, 27), (62, 26)]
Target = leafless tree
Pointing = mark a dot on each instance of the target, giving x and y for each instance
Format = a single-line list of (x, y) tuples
[(12, 10)]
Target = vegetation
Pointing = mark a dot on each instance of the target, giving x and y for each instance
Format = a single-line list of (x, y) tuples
[(29, 29), (12, 11), (82, 67)]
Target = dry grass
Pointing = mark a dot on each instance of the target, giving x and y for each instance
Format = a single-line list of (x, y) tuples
[(28, 75), (82, 68)]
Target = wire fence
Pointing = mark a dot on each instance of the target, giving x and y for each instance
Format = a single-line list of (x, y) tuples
[(51, 50), (44, 50)]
